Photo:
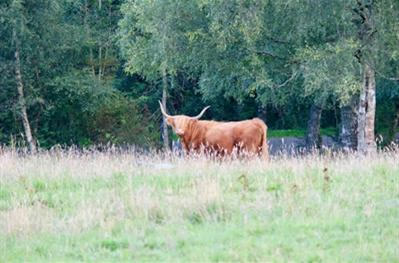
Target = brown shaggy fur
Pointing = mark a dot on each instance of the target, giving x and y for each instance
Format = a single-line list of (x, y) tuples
[(221, 137)]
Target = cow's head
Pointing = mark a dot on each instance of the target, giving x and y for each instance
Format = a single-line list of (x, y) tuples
[(180, 123)]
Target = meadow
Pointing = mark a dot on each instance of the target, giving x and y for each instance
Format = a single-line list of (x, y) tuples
[(67, 205)]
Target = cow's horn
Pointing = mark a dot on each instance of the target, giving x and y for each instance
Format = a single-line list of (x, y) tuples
[(164, 112), (202, 113)]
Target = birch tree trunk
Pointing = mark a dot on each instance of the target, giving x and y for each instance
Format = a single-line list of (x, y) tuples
[(165, 135), (100, 53), (22, 103), (313, 138), (366, 113), (348, 125)]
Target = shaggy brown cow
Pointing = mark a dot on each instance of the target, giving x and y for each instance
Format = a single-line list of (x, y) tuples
[(219, 137)]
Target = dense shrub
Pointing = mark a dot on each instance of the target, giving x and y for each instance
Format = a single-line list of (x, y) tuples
[(120, 121)]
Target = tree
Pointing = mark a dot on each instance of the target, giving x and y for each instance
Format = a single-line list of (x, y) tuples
[(366, 112), (64, 75), (152, 41), (348, 125), (377, 33), (21, 97), (27, 42), (360, 36), (61, 69), (387, 66)]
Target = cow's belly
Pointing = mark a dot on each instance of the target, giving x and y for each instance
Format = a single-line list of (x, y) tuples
[(247, 137), (219, 140), (244, 135)]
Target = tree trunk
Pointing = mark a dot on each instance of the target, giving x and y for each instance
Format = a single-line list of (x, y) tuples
[(394, 124), (165, 135), (262, 112), (104, 62), (99, 64), (313, 138), (22, 103), (366, 113), (348, 126)]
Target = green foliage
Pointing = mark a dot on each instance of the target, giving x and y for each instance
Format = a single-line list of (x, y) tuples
[(119, 121), (330, 70), (149, 45), (87, 58), (69, 61)]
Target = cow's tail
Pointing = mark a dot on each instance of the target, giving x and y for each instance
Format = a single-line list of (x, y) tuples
[(264, 152)]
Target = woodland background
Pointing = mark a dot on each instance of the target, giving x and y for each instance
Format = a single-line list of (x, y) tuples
[(84, 72)]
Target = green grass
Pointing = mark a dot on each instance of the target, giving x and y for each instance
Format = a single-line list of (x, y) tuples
[(298, 132), (272, 133), (121, 207)]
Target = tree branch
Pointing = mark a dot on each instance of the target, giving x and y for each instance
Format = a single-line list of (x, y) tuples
[(267, 53), (293, 75), (385, 77)]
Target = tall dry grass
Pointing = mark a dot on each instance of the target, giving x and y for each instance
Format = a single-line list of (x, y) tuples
[(69, 192)]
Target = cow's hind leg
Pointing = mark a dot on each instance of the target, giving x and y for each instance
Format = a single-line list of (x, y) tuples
[(249, 147)]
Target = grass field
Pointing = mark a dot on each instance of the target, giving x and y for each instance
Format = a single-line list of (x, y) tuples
[(69, 206)]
